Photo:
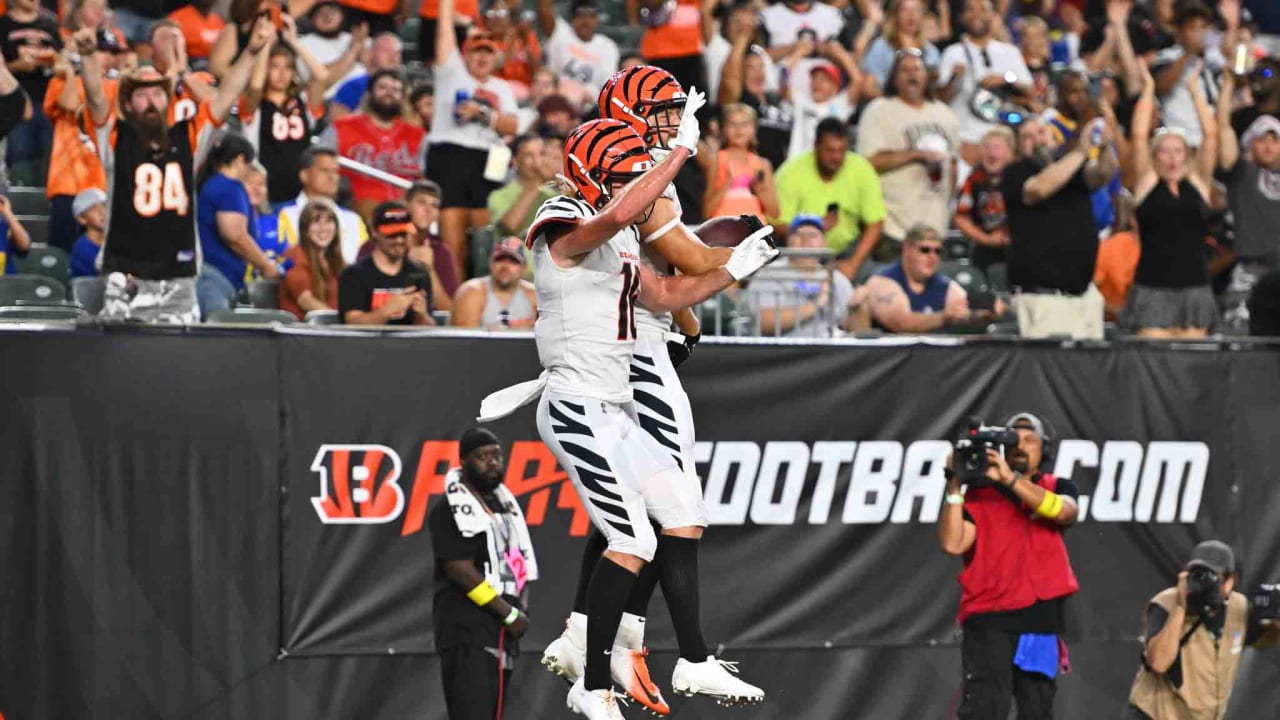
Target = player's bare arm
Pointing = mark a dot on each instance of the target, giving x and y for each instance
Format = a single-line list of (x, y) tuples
[(677, 244)]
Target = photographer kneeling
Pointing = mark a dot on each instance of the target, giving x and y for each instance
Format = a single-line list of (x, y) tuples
[(1016, 578), (1187, 670)]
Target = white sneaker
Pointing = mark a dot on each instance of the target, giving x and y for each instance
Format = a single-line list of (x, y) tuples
[(595, 704), (715, 678), (566, 656), (631, 673)]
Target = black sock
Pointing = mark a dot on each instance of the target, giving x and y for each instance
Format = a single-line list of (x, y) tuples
[(610, 586), (679, 575), (646, 583), (595, 547)]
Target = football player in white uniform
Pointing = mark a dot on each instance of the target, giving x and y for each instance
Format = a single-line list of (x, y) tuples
[(589, 278), (651, 101)]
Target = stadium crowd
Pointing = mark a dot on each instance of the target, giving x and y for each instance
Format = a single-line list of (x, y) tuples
[(1046, 167)]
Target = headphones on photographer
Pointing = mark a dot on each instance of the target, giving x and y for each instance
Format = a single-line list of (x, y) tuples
[(1048, 448)]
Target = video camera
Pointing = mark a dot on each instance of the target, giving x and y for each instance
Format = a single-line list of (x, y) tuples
[(1204, 591), (970, 457)]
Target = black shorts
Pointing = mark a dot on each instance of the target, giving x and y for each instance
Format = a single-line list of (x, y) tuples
[(474, 687), (427, 39), (460, 173), (378, 24)]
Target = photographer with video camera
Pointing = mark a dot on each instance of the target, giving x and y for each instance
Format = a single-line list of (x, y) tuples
[(1015, 580), (1195, 632)]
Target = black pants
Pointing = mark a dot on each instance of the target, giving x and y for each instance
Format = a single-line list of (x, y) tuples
[(689, 70), (377, 23), (991, 680), (474, 687)]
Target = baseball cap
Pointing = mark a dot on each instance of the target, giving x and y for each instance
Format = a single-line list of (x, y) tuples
[(1027, 421), (86, 199), (801, 220), (1215, 555), (1263, 125), (830, 70), (392, 218), (510, 248), (479, 41)]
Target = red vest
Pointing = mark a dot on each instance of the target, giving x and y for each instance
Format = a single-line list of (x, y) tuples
[(1018, 557)]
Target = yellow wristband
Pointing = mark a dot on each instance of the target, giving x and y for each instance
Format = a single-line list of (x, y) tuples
[(482, 594), (1051, 506)]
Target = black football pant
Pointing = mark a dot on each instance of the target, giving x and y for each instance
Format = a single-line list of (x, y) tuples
[(474, 687), (991, 681)]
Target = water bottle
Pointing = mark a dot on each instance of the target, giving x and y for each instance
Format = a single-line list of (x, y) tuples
[(459, 97)]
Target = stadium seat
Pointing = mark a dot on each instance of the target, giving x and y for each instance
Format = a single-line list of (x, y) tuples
[(998, 277), (29, 313), (956, 246), (865, 271), (969, 276), (31, 290), (28, 201), (37, 227), (480, 243), (323, 317), (88, 291), (46, 260), (250, 316), (441, 317), (1003, 328), (264, 294)]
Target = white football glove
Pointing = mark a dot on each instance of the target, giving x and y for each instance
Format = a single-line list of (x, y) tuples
[(753, 253), (688, 133)]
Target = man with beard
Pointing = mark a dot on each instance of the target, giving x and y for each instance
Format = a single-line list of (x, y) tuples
[(1253, 189), (500, 300), (1015, 582), (386, 288), (1053, 242), (378, 136), (483, 562), (150, 256)]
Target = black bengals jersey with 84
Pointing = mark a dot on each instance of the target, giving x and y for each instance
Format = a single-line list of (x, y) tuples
[(152, 224)]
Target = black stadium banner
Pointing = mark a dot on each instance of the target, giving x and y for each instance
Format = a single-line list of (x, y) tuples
[(232, 525)]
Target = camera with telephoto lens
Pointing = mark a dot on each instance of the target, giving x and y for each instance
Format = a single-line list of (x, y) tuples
[(969, 460), (1265, 603), (1204, 591)]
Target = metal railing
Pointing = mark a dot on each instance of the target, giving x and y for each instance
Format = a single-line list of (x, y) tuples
[(780, 286)]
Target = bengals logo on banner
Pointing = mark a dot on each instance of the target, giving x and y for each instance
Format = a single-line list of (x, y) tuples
[(359, 484)]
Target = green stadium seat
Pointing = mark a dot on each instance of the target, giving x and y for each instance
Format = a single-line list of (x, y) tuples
[(250, 316), (264, 294), (37, 227), (28, 201), (35, 313), (865, 271), (956, 246), (47, 260), (998, 277), (970, 277), (89, 291), (323, 317), (480, 243), (31, 290)]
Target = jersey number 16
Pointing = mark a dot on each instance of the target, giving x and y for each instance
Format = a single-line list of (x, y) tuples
[(627, 301)]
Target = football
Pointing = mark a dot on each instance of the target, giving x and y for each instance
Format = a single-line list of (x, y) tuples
[(725, 231)]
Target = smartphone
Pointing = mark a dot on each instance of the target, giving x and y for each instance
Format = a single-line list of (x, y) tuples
[(1241, 64), (419, 281), (833, 208)]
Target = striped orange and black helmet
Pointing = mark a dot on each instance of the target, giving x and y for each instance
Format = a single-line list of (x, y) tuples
[(638, 96), (600, 154)]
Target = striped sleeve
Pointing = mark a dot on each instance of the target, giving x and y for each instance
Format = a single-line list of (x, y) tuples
[(559, 209)]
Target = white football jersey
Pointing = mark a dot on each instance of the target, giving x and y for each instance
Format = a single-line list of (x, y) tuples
[(646, 320), (586, 326)]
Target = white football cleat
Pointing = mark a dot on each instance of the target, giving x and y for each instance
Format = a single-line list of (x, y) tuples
[(595, 704), (631, 673), (714, 678), (566, 656)]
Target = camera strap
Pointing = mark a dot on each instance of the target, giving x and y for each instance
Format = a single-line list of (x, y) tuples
[(1185, 637)]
